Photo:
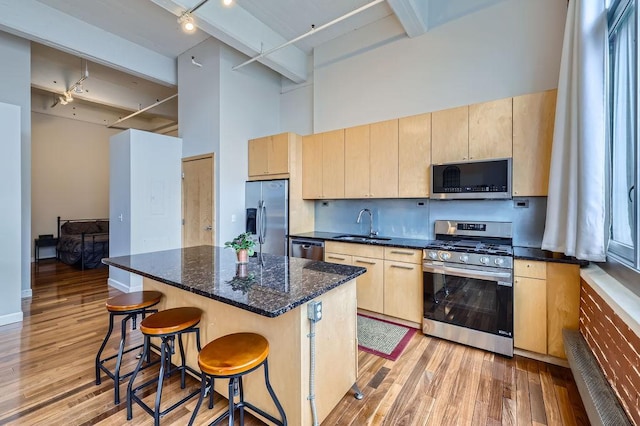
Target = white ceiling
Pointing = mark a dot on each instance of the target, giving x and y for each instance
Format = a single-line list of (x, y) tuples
[(250, 26)]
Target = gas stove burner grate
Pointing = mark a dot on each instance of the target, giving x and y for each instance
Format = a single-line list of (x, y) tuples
[(470, 246)]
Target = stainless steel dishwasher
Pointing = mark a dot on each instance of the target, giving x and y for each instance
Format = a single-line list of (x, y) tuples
[(306, 248)]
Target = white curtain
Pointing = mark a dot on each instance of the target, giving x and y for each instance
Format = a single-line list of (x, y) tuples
[(575, 223)]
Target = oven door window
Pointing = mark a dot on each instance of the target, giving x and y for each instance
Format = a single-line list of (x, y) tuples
[(478, 304)]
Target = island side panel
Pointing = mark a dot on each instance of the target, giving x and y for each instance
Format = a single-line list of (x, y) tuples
[(336, 348)]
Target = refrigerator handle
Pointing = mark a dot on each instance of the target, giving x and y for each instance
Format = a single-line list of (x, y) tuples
[(263, 234), (259, 220)]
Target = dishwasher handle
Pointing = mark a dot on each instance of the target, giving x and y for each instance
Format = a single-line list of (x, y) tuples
[(306, 248)]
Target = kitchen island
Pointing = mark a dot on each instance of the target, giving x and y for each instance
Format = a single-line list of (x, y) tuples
[(269, 296)]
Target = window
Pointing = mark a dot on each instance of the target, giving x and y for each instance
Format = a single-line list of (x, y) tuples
[(622, 102)]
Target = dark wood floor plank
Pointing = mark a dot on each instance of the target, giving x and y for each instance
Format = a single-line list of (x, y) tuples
[(47, 377)]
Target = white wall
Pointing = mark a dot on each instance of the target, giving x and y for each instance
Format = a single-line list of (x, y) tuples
[(199, 99), (219, 111), (145, 199), (69, 172), (15, 89), (250, 100), (377, 73), (10, 220)]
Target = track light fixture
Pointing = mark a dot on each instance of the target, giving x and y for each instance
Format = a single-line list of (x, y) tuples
[(76, 87), (186, 19), (65, 98)]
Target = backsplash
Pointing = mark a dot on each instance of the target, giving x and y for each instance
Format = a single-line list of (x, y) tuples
[(414, 218)]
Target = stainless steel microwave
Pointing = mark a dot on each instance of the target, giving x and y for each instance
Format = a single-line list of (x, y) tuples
[(486, 179)]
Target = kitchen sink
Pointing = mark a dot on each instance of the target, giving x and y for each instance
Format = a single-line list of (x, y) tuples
[(361, 238)]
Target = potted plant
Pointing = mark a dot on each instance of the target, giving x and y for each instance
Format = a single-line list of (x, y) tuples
[(243, 245)]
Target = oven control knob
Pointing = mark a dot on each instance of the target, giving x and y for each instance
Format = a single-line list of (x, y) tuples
[(484, 260), (433, 255), (464, 258), (445, 255), (499, 261)]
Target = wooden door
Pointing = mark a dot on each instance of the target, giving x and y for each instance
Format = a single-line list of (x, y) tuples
[(450, 135), (383, 156), (312, 167), (278, 154), (533, 123), (490, 129), (197, 201), (258, 156), (414, 156), (333, 164), (356, 162)]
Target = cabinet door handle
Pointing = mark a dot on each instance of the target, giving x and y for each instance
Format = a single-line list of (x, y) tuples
[(336, 257), (403, 267), (409, 253), (365, 262)]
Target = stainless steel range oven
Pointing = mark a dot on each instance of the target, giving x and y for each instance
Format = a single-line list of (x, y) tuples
[(468, 285)]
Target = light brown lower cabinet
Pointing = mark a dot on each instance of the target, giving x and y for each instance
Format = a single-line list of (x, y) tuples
[(546, 300), (403, 290), (392, 284), (370, 286)]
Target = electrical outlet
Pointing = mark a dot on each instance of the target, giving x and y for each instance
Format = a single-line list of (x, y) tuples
[(314, 311)]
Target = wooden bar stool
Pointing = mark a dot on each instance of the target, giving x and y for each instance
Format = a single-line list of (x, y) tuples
[(129, 305), (231, 357), (165, 325)]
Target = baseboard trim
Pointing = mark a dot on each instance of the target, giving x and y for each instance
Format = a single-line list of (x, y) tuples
[(541, 357), (27, 293), (122, 287), (11, 318)]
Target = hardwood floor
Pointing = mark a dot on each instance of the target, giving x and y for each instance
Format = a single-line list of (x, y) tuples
[(47, 373)]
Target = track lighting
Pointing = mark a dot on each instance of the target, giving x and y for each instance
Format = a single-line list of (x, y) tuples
[(65, 98), (186, 21)]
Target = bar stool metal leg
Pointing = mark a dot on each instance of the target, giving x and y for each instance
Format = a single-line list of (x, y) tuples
[(273, 394), (104, 343), (133, 378)]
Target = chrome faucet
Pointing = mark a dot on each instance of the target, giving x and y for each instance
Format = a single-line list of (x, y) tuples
[(372, 233)]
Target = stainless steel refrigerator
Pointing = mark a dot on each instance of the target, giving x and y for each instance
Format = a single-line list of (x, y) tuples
[(267, 214)]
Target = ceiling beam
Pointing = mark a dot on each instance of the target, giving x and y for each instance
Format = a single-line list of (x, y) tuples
[(35, 21), (245, 33), (412, 15)]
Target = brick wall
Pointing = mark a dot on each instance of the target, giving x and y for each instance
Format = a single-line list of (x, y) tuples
[(615, 346)]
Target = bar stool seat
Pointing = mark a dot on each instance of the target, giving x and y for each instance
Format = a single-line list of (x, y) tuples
[(129, 305), (166, 325), (233, 356)]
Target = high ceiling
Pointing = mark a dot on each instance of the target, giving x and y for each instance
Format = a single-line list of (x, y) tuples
[(130, 46)]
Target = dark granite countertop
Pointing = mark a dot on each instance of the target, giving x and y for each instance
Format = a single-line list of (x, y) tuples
[(272, 288), (391, 242), (531, 253)]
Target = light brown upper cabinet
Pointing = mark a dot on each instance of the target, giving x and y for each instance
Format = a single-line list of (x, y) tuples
[(450, 135), (383, 175), (474, 132), (490, 129), (371, 160), (269, 156), (533, 122), (323, 165), (357, 144), (414, 156)]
